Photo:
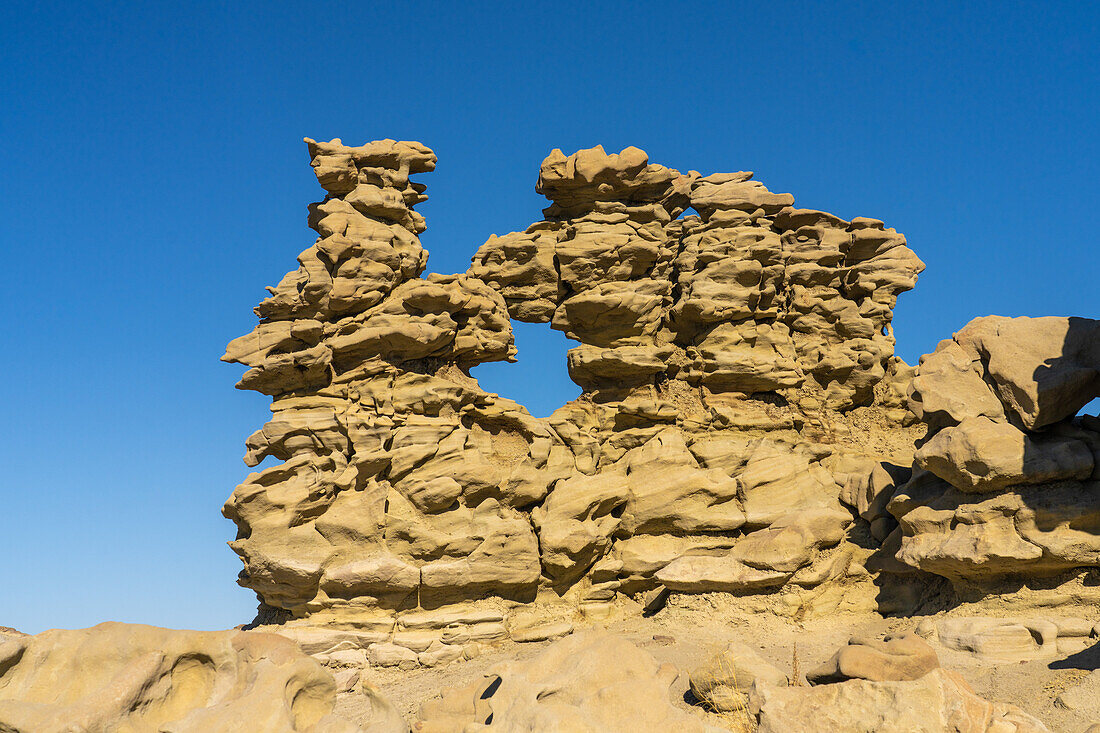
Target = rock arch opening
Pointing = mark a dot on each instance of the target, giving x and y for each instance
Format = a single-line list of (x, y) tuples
[(539, 379)]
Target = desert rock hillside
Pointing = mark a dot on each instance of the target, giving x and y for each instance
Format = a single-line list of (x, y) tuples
[(754, 517)]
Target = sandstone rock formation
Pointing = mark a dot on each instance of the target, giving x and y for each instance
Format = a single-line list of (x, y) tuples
[(706, 454), (896, 658), (595, 681), (130, 678), (590, 682), (1006, 484), (401, 477), (1004, 639), (747, 295), (6, 632), (1084, 697)]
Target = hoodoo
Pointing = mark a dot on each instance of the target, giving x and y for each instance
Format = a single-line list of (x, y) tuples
[(742, 426)]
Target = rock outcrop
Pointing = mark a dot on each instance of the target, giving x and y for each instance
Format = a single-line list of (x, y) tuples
[(1007, 485), (1004, 639), (747, 295), (731, 362), (123, 677), (402, 480), (900, 657), (6, 632)]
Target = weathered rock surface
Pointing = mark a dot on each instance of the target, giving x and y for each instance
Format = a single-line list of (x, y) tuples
[(1011, 639), (706, 453), (938, 702), (981, 455), (590, 682), (123, 677), (746, 295), (1007, 484), (1083, 697), (1037, 370), (895, 658)]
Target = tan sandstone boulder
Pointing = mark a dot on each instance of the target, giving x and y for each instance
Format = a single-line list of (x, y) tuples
[(1041, 370), (902, 657), (981, 455), (996, 639), (724, 682), (1004, 488)]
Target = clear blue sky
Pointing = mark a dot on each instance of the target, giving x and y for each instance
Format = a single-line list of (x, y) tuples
[(153, 180)]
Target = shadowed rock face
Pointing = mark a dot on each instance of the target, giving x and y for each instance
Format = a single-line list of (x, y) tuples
[(1008, 481), (706, 453), (1031, 372)]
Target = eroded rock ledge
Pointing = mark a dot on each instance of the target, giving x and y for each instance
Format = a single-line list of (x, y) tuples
[(1005, 495), (743, 428)]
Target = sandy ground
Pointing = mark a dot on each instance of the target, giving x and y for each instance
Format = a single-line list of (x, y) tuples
[(687, 637)]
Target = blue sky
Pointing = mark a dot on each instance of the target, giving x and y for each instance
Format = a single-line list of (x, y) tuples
[(153, 180)]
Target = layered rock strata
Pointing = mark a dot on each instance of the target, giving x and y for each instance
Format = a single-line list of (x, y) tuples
[(1004, 639), (707, 452), (1006, 486)]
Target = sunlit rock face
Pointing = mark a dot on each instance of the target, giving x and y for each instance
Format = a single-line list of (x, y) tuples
[(746, 295), (741, 429), (1006, 487)]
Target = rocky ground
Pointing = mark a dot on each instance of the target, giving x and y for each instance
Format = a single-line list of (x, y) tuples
[(632, 673), (688, 633)]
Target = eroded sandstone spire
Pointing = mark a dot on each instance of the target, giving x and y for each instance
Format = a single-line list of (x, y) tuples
[(747, 295), (705, 454)]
